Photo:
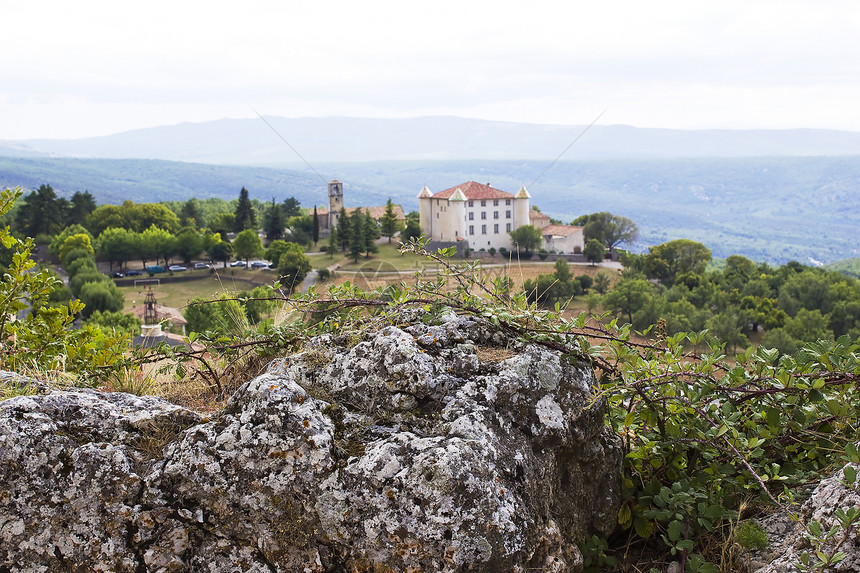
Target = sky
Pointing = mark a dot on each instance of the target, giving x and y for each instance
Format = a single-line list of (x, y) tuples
[(89, 68)]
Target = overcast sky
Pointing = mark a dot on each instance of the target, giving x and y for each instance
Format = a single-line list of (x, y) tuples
[(79, 69)]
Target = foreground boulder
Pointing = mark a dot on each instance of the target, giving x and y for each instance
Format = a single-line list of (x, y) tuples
[(449, 447), (785, 551)]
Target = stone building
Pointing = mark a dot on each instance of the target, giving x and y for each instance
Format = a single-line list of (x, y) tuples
[(477, 214)]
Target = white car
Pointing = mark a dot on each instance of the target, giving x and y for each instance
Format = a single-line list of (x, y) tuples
[(176, 268), (198, 266)]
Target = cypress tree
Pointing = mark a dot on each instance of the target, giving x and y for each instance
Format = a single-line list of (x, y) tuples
[(246, 218), (344, 231), (316, 235), (369, 234)]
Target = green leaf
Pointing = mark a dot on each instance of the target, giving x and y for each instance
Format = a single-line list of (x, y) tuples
[(624, 516), (774, 417), (674, 530), (850, 474)]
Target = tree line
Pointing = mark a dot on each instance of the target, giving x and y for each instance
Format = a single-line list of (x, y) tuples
[(780, 307)]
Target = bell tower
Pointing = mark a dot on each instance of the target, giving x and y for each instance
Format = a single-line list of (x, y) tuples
[(335, 202)]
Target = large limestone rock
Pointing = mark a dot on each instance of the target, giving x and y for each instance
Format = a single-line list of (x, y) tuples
[(422, 448), (783, 554)]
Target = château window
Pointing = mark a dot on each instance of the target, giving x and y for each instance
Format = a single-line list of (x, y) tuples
[(507, 214), (495, 214), (507, 201), (483, 214), (471, 229), (483, 203), (471, 203), (508, 227), (483, 229), (495, 202), (496, 228), (471, 216)]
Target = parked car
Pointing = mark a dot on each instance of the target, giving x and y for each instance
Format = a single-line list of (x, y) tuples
[(117, 275), (154, 269), (238, 264), (198, 266), (260, 265), (133, 273), (176, 268)]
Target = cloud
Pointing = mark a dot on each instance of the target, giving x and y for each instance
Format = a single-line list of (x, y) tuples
[(769, 64)]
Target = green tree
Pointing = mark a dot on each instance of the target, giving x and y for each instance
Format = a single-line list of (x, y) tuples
[(389, 225), (247, 245), (356, 234), (344, 231), (316, 227), (80, 207), (292, 207), (40, 213), (244, 215), (611, 230), (666, 261), (105, 217), (526, 238), (333, 242), (191, 214), (276, 249), (54, 247), (189, 244), (142, 216), (301, 229), (601, 282), (221, 251), (222, 224), (369, 234), (103, 296), (808, 326), (158, 243), (293, 267), (562, 270), (78, 241), (594, 251), (628, 296), (274, 224), (115, 320), (117, 245)]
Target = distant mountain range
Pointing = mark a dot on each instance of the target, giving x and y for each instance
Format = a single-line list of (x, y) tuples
[(769, 195), (253, 142)]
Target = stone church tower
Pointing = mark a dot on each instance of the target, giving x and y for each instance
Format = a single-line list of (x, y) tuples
[(335, 202)]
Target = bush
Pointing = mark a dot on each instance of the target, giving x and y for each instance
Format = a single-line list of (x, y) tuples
[(86, 276), (323, 274), (100, 296), (586, 281)]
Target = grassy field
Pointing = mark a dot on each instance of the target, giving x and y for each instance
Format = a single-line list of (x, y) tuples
[(210, 285), (383, 268)]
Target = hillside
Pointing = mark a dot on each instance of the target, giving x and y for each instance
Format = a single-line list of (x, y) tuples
[(774, 209), (339, 139)]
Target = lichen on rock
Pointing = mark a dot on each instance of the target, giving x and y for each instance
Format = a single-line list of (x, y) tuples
[(403, 451)]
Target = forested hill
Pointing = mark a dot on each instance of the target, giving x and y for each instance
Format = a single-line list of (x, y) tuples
[(772, 209)]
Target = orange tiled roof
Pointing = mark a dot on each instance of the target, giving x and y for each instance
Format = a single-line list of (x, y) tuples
[(560, 230), (473, 190)]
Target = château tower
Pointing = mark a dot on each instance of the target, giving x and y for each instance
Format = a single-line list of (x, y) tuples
[(335, 202)]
